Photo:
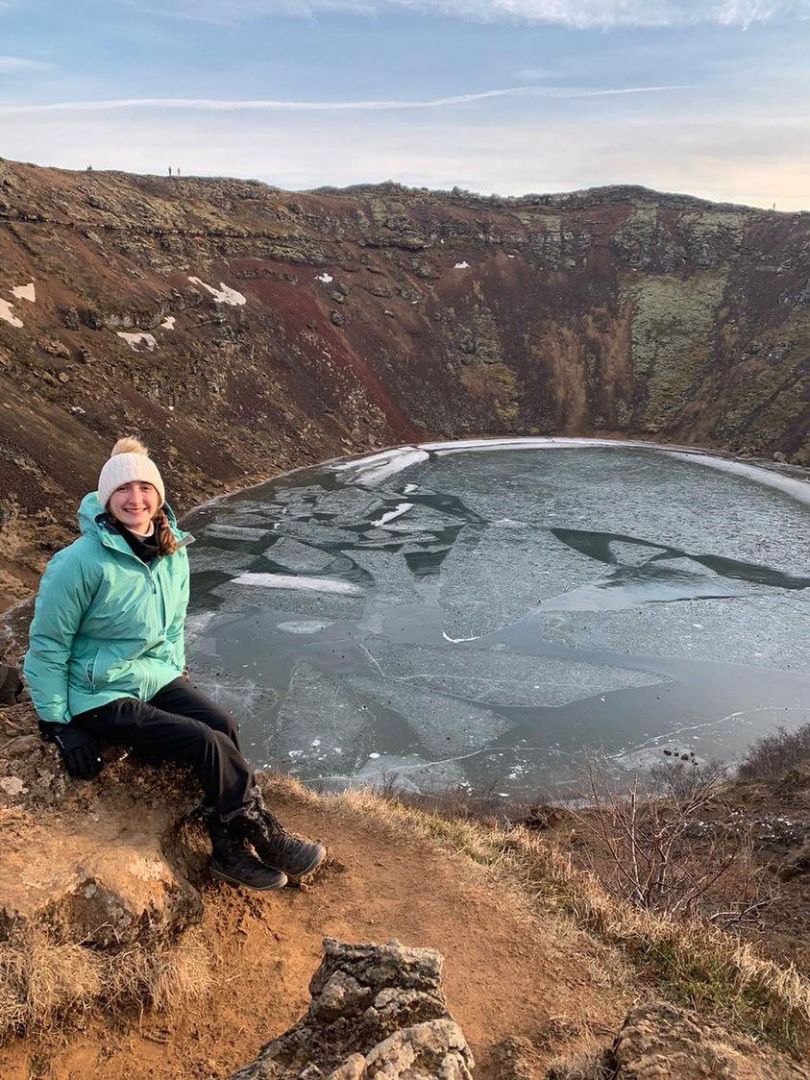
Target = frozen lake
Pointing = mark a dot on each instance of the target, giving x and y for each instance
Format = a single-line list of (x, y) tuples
[(488, 613)]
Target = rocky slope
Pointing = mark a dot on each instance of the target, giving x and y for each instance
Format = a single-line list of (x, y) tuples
[(242, 330), (119, 956)]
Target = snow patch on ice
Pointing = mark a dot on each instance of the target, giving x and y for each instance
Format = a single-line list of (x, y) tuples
[(375, 468), (25, 292), (303, 627), (7, 315), (538, 442), (236, 532), (223, 295), (392, 515), (134, 340), (798, 489), (291, 581)]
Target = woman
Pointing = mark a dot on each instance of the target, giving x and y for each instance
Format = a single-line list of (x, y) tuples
[(106, 663)]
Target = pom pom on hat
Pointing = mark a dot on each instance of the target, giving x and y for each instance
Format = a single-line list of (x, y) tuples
[(129, 461)]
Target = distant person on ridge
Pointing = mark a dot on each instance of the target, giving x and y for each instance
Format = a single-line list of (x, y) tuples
[(106, 663)]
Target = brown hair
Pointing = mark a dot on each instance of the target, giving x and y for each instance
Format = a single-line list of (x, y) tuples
[(167, 541)]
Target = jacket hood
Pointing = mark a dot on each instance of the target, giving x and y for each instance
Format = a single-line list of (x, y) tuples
[(91, 509)]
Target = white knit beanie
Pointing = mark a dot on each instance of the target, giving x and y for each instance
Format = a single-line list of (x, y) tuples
[(129, 461)]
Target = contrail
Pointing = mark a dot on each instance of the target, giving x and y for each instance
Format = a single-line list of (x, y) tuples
[(270, 105)]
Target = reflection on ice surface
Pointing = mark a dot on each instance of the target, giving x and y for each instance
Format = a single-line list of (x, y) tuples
[(430, 616)]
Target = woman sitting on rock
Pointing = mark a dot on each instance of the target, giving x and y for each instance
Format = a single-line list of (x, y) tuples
[(106, 663)]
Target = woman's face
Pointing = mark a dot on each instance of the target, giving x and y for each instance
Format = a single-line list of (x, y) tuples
[(134, 505)]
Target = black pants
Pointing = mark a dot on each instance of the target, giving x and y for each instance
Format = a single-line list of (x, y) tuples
[(182, 725)]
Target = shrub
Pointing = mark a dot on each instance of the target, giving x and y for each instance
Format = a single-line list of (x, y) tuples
[(768, 758)]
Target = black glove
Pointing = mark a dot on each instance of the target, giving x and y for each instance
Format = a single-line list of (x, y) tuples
[(81, 751)]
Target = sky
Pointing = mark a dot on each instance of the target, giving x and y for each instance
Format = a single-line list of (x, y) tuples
[(705, 97)]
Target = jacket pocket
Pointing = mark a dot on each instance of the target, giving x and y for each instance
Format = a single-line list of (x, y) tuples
[(106, 669), (93, 670)]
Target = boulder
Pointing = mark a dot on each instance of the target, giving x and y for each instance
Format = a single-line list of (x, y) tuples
[(102, 879), (377, 1013), (10, 685), (662, 1042)]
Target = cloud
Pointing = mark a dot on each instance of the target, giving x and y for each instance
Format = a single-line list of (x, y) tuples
[(720, 151), (11, 64), (270, 105), (579, 14)]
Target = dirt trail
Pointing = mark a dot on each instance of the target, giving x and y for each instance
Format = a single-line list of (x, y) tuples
[(507, 972)]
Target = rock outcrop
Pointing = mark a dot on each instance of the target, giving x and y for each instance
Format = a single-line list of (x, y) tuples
[(377, 1013), (662, 1042), (659, 1041)]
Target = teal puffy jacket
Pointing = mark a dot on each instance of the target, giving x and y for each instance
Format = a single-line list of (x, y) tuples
[(105, 625)]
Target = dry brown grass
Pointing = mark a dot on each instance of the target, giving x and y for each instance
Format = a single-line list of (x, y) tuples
[(41, 980), (689, 960), (45, 982), (163, 977), (591, 1067)]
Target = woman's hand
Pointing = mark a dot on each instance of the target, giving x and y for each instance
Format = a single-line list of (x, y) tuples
[(81, 751)]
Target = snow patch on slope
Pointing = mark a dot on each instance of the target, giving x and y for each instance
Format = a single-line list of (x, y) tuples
[(7, 315), (134, 340), (25, 292), (223, 295)]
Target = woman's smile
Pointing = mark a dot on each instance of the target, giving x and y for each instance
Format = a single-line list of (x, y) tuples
[(137, 515)]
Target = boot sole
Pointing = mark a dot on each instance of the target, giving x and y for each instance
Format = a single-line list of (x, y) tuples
[(220, 875)]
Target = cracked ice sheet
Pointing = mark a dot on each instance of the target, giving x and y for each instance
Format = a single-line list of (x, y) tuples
[(393, 581), (249, 534), (443, 725), (507, 680), (317, 708), (410, 774), (727, 737), (297, 556), (237, 598), (644, 494), (202, 558), (419, 518), (349, 505), (744, 630), (314, 532), (512, 571), (252, 704)]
